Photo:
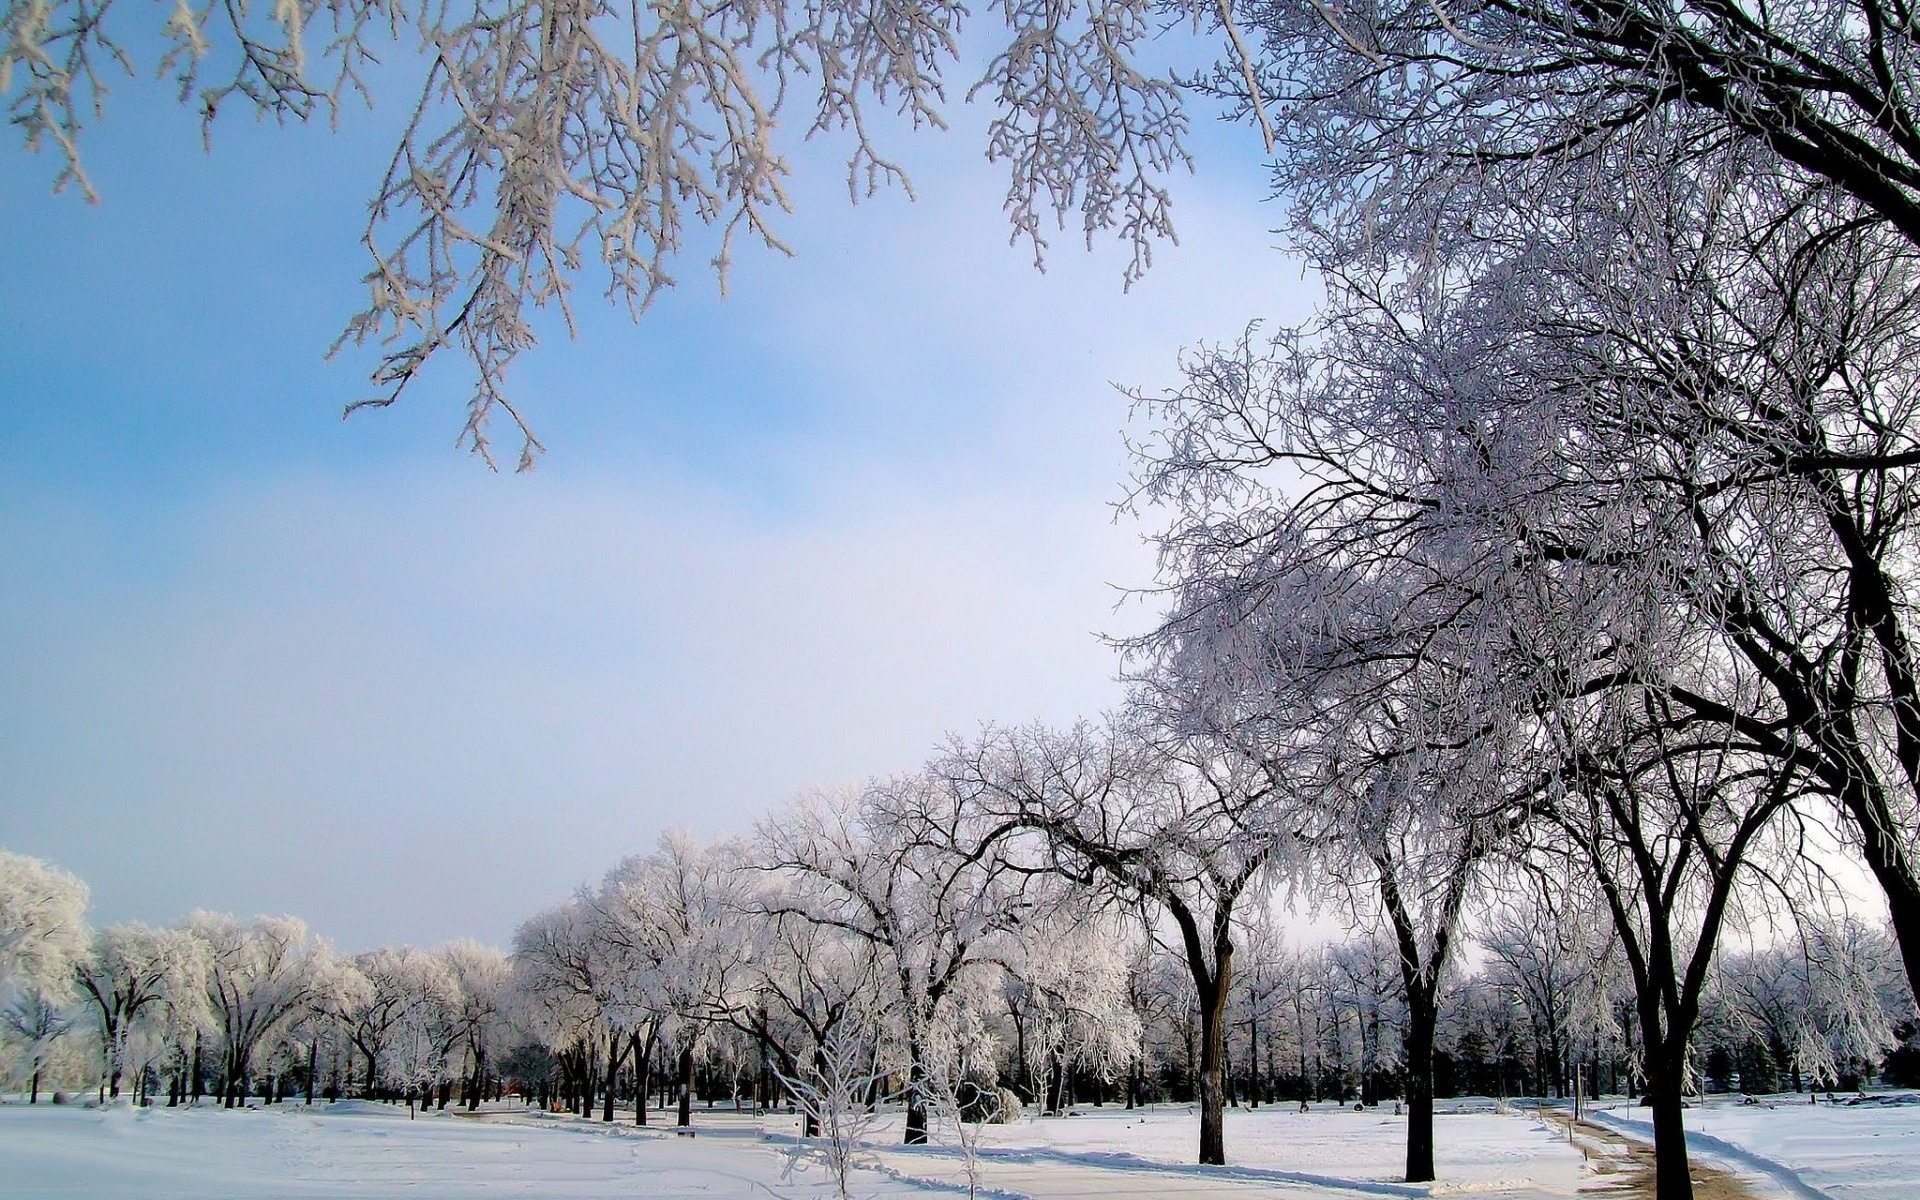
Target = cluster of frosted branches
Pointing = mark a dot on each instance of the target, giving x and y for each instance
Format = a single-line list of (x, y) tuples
[(1404, 123), (296, 60), (553, 142)]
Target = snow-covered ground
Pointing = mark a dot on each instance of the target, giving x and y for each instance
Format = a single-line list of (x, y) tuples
[(1329, 1151), (373, 1151), (1795, 1151), (368, 1152)]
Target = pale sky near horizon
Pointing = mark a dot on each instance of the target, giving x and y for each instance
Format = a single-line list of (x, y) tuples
[(258, 659)]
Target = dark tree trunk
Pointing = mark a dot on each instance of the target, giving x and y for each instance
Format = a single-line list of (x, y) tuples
[(1253, 1061), (686, 1086), (615, 1056), (1895, 874), (479, 1078), (810, 1121), (1213, 1142), (1673, 1180), (642, 1064), (1422, 1015), (586, 1080), (916, 1102)]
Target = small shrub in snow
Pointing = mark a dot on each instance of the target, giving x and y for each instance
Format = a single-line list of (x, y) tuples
[(1010, 1110)]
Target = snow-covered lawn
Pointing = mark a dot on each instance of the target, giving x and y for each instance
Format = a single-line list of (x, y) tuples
[(374, 1151), (1796, 1151)]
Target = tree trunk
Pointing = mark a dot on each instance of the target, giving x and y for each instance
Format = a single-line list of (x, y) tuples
[(586, 1079), (686, 1086), (916, 1102), (642, 1065), (614, 1058), (1422, 1015), (313, 1066), (810, 1120), (1672, 1178), (1213, 1144), (1253, 1060), (1903, 913)]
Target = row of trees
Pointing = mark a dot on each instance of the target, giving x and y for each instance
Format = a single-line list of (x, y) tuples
[(232, 1008), (936, 937)]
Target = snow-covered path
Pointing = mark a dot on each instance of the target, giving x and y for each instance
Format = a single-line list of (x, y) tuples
[(1795, 1151)]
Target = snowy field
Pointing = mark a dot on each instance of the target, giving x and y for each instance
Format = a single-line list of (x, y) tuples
[(374, 1151)]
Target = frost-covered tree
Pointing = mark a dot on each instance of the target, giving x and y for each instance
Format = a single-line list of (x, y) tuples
[(1549, 945), (1363, 983), (1482, 1033), (261, 975), (565, 982), (43, 934), (1818, 1001), (1301, 995), (628, 928), (1666, 823), (43, 928), (138, 979), (1075, 1011), (902, 865), (1156, 988), (420, 1041), (31, 1026), (1655, 430), (1352, 641), (405, 991), (674, 922), (834, 1085), (1256, 1006), (481, 977), (816, 990), (1155, 821), (1684, 354)]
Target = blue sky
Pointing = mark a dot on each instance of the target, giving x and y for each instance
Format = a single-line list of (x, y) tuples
[(261, 659)]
